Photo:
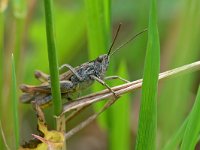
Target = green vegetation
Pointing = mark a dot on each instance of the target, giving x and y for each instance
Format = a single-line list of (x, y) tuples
[(43, 35), (147, 127), (53, 63), (120, 117), (191, 134), (15, 105), (98, 15)]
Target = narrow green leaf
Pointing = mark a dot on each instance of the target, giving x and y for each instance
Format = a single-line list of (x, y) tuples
[(193, 126), (52, 56), (120, 118), (1, 52), (146, 136), (15, 105), (98, 30), (1, 66), (175, 140)]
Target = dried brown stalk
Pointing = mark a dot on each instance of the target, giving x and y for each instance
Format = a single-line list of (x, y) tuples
[(3, 137), (124, 88), (88, 100)]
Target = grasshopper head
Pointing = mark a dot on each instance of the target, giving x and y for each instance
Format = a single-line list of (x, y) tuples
[(101, 64)]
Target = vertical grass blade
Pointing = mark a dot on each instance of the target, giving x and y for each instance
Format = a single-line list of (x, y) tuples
[(193, 126), (98, 30), (15, 105), (53, 64), (146, 135), (120, 118), (2, 8)]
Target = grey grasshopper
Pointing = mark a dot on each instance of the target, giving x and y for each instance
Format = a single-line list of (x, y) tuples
[(74, 80)]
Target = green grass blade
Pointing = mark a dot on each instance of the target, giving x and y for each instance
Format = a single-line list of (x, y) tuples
[(97, 26), (176, 139), (2, 19), (193, 126), (98, 30), (53, 64), (15, 105), (120, 118), (146, 136)]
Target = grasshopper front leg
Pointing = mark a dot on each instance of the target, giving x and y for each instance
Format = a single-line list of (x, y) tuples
[(72, 70), (104, 84), (116, 77)]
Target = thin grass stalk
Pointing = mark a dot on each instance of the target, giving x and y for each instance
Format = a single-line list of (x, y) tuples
[(146, 135), (2, 8), (53, 66), (1, 70), (127, 87), (95, 97), (174, 142), (52, 57), (193, 126), (1, 53), (15, 105)]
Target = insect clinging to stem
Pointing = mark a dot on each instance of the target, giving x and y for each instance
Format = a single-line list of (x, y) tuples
[(75, 79)]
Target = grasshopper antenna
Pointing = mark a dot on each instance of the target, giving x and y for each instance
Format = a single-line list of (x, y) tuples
[(118, 29), (132, 38)]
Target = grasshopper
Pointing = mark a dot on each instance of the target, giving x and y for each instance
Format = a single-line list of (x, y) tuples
[(74, 80)]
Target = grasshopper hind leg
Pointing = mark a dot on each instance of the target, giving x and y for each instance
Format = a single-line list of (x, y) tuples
[(43, 100), (41, 76), (65, 86)]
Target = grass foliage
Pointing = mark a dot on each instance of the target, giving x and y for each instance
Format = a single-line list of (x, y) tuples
[(98, 26), (191, 134), (52, 55), (146, 137), (15, 105), (120, 117), (88, 24)]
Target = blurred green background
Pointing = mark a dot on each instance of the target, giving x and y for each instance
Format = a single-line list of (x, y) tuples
[(22, 32)]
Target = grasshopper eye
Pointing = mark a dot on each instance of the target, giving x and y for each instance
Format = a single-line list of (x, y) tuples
[(99, 59)]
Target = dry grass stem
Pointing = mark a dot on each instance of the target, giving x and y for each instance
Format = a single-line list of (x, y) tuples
[(84, 102), (3, 137), (124, 88), (89, 120)]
